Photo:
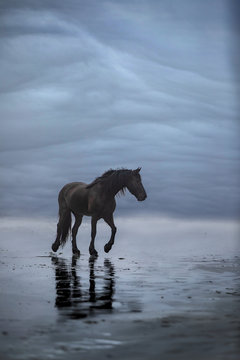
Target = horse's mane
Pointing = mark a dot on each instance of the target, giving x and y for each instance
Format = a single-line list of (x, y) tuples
[(112, 179)]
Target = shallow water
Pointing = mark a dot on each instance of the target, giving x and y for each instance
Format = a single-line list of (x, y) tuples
[(168, 288)]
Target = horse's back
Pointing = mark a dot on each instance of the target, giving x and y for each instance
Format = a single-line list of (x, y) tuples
[(68, 188)]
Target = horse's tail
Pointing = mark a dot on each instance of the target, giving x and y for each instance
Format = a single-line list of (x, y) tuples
[(64, 227), (65, 220)]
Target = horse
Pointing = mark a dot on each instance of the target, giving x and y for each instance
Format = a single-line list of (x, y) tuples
[(97, 200)]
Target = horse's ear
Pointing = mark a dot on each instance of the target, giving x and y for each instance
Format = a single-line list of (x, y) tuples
[(137, 170)]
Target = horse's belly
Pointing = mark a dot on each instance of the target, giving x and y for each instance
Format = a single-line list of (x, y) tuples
[(88, 201)]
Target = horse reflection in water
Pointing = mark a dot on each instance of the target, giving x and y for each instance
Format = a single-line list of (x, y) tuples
[(76, 302)]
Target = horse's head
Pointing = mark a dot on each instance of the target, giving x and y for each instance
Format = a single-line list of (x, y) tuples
[(135, 186)]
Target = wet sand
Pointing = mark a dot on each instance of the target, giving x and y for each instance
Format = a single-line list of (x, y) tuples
[(168, 290)]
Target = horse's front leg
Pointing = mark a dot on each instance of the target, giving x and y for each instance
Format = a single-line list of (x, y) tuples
[(92, 250), (110, 222)]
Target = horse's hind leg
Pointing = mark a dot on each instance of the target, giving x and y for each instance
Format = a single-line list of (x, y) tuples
[(78, 221), (110, 222)]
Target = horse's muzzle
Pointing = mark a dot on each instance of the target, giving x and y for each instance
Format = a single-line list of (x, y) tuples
[(142, 197)]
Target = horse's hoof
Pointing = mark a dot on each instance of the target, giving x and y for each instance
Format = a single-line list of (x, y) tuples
[(76, 252), (54, 247), (107, 248), (93, 252)]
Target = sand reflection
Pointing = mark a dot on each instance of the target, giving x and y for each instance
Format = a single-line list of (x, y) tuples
[(76, 300)]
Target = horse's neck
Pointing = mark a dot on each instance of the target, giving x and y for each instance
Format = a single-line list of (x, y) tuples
[(115, 189)]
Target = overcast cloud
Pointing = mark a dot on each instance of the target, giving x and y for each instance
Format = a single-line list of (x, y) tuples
[(92, 85)]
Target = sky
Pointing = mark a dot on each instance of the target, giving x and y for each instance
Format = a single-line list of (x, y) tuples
[(89, 85)]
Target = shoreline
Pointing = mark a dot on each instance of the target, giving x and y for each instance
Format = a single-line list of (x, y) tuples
[(142, 302)]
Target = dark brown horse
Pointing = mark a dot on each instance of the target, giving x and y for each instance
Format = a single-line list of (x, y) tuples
[(97, 200)]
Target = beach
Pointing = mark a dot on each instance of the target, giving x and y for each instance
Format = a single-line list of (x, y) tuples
[(168, 289)]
